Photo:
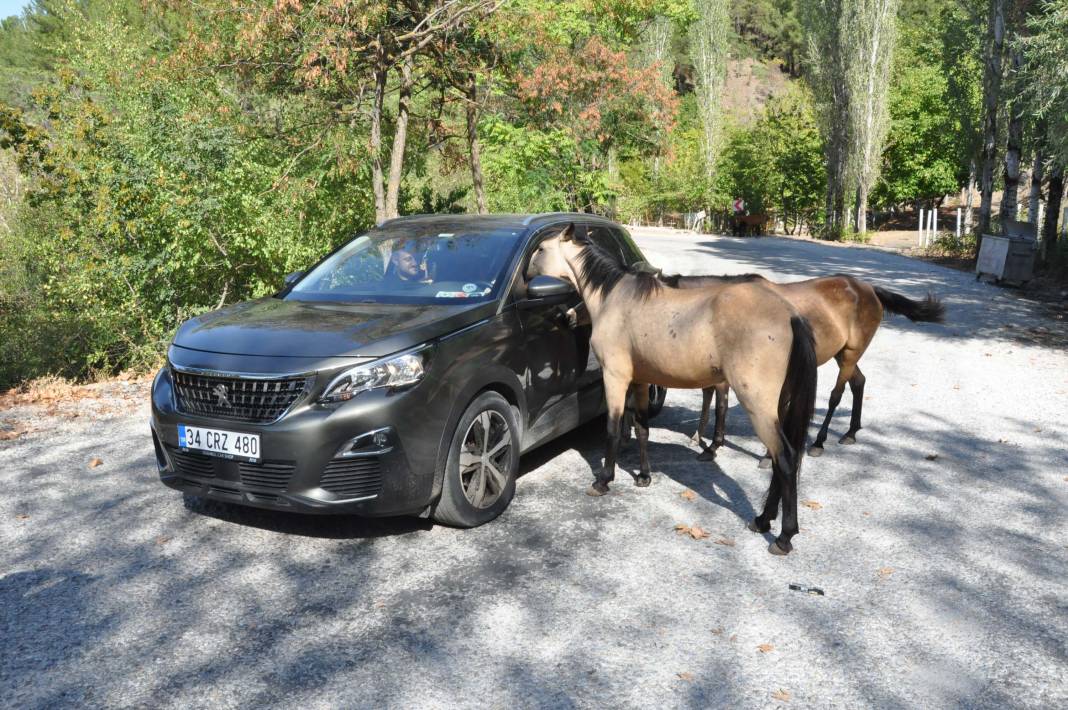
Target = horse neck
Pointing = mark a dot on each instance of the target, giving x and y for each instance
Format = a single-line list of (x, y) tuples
[(593, 298)]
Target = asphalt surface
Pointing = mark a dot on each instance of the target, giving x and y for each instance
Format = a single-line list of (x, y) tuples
[(939, 541)]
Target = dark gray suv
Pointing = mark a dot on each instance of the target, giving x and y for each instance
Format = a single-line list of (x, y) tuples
[(405, 373)]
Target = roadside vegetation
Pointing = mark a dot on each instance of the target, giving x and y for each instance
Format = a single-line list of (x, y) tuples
[(160, 159)]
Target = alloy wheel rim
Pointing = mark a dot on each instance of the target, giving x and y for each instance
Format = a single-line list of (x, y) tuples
[(484, 457)]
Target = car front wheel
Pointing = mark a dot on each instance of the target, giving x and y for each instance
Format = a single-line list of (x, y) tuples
[(481, 467)]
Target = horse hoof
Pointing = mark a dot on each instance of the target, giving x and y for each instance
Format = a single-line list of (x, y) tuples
[(707, 455), (754, 526), (815, 451), (847, 440), (597, 489), (777, 548), (643, 481), (765, 462)]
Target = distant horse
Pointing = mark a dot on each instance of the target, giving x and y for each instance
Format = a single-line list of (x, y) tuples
[(750, 224), (844, 313), (645, 332)]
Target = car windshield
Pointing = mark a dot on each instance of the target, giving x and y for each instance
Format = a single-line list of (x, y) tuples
[(413, 264)]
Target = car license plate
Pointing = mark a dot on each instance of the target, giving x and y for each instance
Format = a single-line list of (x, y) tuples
[(229, 444)]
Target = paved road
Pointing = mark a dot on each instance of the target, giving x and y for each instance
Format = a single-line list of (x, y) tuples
[(940, 540)]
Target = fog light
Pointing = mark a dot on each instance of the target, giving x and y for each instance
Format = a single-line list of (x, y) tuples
[(371, 443)]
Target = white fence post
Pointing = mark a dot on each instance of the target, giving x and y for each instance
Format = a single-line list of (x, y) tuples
[(958, 223), (919, 238), (934, 223)]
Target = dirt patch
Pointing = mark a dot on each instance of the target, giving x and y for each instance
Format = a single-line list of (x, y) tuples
[(26, 408)]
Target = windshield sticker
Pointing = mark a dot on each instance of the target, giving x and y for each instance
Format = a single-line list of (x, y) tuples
[(450, 294), (470, 288)]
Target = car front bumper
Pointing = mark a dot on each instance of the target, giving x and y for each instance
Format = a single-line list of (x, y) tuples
[(373, 455)]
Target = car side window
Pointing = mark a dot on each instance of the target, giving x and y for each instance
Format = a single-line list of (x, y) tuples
[(604, 238), (630, 250)]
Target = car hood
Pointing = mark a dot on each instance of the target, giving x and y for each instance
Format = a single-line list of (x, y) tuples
[(272, 327)]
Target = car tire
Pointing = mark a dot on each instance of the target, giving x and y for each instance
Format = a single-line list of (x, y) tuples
[(657, 395), (476, 488)]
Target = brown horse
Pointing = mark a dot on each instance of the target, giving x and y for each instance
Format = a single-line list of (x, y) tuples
[(844, 313), (645, 332)]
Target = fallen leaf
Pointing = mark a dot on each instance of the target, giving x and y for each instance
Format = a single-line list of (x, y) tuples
[(733, 638), (885, 572), (688, 494), (866, 513), (718, 631), (780, 694), (1038, 429), (162, 540), (94, 462), (694, 531), (931, 457), (812, 504), (765, 648), (725, 541), (688, 677), (22, 516), (956, 387)]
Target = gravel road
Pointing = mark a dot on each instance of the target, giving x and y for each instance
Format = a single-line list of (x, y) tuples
[(939, 539)]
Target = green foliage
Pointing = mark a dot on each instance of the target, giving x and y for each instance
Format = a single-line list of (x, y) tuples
[(776, 165)]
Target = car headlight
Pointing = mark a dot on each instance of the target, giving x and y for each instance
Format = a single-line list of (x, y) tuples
[(394, 371)]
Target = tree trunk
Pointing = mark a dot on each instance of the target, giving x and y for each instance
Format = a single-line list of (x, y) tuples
[(400, 138), (1053, 210), (1010, 201), (1036, 188), (995, 41), (377, 183), (472, 144), (967, 227), (859, 206)]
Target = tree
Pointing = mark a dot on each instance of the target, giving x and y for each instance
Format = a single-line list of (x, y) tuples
[(869, 34), (1046, 88), (994, 46), (709, 44)]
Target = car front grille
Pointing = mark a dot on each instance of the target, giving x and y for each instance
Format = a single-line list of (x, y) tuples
[(266, 475), (256, 401), (353, 478), (191, 464), (272, 475)]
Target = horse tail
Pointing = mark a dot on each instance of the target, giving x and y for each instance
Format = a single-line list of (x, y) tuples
[(929, 310), (797, 399)]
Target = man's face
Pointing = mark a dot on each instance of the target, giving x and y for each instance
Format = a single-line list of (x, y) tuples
[(407, 267)]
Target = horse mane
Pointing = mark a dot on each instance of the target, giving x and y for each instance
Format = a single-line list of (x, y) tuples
[(603, 270)]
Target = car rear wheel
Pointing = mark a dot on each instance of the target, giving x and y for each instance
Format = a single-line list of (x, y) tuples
[(481, 467)]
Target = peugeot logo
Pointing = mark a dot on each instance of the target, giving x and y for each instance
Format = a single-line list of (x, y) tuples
[(221, 396)]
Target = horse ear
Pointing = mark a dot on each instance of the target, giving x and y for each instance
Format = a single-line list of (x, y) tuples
[(568, 234)]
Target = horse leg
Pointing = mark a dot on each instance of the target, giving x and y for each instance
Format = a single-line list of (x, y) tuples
[(615, 392), (706, 402), (856, 387), (720, 432), (836, 396), (722, 391), (641, 430)]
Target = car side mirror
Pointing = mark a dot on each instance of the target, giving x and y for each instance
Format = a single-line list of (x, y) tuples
[(545, 290), (292, 278)]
